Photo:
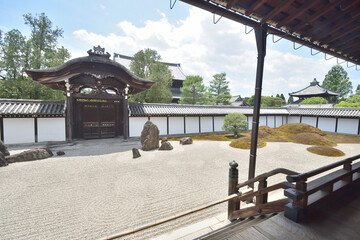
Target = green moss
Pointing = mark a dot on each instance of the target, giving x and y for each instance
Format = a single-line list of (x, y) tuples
[(311, 139), (245, 143), (326, 151), (294, 128)]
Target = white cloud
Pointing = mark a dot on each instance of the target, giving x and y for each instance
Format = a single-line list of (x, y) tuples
[(204, 48), (103, 7)]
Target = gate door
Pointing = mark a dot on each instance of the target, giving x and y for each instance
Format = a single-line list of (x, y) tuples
[(98, 120)]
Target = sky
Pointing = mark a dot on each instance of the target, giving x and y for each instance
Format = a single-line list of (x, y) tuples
[(184, 34)]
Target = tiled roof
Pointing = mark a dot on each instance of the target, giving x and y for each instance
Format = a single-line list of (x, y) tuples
[(313, 90), (326, 112), (147, 109), (175, 68), (21, 107)]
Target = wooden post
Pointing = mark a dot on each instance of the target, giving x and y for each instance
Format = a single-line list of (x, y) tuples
[(126, 114), (233, 181), (69, 111), (263, 197)]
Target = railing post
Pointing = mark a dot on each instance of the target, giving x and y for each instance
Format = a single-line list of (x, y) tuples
[(263, 197), (233, 182), (348, 167), (297, 208)]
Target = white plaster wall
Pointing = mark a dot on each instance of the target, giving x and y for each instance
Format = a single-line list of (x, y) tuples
[(250, 119), (206, 124), (279, 121), (176, 125), (136, 125), (19, 130), (349, 126), (192, 124), (161, 123), (327, 124), (218, 123), (294, 119), (285, 120), (51, 129), (309, 120), (271, 121), (262, 121)]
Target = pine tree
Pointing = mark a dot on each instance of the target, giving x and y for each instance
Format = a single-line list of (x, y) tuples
[(193, 90), (219, 90), (338, 81)]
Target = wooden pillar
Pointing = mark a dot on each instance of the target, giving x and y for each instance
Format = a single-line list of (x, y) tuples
[(126, 118), (2, 129), (233, 205), (69, 112), (262, 198), (260, 35), (36, 129)]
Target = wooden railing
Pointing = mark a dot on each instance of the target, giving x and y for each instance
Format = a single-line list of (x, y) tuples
[(307, 196), (261, 204)]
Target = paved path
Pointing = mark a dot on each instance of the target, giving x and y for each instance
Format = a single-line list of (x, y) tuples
[(97, 189)]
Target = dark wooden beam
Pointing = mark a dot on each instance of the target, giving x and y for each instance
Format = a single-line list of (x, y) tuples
[(255, 5), (309, 20), (351, 4), (296, 12), (335, 29), (343, 34), (2, 129), (231, 3), (351, 45), (276, 10)]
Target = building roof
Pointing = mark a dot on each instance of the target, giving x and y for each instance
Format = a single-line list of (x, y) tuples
[(52, 108), (149, 109), (326, 112), (238, 101), (175, 68), (31, 108), (97, 65), (314, 89), (332, 27)]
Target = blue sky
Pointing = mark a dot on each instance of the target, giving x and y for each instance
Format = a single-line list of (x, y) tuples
[(183, 35)]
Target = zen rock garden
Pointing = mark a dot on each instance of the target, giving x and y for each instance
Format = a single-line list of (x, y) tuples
[(29, 155), (149, 140)]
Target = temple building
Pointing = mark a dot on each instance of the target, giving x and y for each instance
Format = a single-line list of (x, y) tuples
[(314, 90), (175, 68), (96, 90)]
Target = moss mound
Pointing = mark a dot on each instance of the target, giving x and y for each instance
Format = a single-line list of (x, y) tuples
[(311, 139), (294, 128), (265, 131), (245, 143), (326, 151)]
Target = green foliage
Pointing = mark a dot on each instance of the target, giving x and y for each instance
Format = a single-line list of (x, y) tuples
[(267, 101), (193, 91), (314, 100), (358, 89), (291, 99), (19, 53), (219, 90), (353, 101), (145, 64), (235, 122), (283, 97), (338, 81)]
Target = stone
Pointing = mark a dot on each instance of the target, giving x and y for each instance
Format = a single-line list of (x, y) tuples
[(149, 138), (136, 153), (164, 139), (3, 161), (3, 149), (186, 141), (30, 155), (60, 153), (166, 146)]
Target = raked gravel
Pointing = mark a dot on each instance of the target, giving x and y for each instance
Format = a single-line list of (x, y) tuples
[(98, 189)]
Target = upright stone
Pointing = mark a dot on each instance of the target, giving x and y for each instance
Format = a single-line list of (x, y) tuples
[(3, 161), (3, 149), (136, 153), (149, 136)]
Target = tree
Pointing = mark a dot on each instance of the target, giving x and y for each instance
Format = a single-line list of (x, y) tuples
[(353, 101), (283, 97), (271, 101), (291, 99), (358, 89), (314, 100), (235, 122), (145, 64), (338, 81), (193, 90), (38, 51), (219, 90)]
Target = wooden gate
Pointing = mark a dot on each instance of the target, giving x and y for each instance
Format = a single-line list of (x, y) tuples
[(98, 120)]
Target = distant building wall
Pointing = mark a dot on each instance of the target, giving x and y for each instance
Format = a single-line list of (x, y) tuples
[(51, 129)]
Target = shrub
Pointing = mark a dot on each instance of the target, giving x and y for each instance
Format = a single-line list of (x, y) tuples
[(311, 139), (314, 100), (294, 128), (245, 143), (235, 123), (326, 151)]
